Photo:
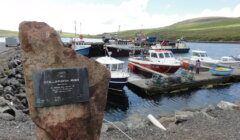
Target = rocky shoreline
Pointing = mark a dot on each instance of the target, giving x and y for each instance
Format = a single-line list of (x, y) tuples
[(213, 122), (218, 122)]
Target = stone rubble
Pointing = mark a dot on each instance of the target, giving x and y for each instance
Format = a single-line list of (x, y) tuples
[(12, 89)]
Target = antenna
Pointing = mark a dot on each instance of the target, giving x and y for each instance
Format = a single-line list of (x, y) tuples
[(80, 30), (75, 28), (119, 26)]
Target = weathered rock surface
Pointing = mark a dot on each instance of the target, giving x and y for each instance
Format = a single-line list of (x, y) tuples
[(227, 105), (181, 116), (42, 48)]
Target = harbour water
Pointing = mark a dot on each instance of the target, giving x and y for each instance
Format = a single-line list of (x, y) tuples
[(121, 106)]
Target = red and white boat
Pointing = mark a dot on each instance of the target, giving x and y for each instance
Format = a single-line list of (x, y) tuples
[(161, 61)]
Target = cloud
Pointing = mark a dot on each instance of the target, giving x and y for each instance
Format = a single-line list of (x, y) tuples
[(227, 12), (94, 18)]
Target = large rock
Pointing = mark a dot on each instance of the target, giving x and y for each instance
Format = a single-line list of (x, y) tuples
[(227, 105), (42, 48), (181, 116)]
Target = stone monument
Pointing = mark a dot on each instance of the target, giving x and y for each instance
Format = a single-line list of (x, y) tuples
[(66, 93)]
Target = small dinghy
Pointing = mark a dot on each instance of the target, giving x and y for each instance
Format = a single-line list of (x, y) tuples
[(221, 71)]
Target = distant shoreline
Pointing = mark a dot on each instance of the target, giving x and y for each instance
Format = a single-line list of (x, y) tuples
[(224, 42)]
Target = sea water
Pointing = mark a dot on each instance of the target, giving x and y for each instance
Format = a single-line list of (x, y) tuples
[(122, 105)]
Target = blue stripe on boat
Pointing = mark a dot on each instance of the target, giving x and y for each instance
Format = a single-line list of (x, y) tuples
[(84, 51)]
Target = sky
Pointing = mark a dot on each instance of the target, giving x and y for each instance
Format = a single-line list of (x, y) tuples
[(99, 16)]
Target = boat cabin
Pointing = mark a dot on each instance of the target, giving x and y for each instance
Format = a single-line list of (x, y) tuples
[(78, 41), (111, 63), (197, 53), (160, 54), (120, 42), (227, 59)]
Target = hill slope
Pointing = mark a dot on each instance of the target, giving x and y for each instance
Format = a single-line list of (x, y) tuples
[(7, 33), (198, 29)]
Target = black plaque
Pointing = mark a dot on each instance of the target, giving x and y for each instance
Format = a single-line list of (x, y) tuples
[(54, 87)]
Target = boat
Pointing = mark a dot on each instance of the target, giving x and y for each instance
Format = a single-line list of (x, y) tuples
[(221, 71), (161, 61), (229, 61), (176, 47), (205, 60), (122, 48), (80, 46), (209, 62), (119, 77)]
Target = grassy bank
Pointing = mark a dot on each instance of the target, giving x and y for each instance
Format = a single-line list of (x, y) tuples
[(7, 33), (202, 29)]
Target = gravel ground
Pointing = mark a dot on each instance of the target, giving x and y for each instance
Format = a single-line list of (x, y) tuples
[(17, 130), (225, 125)]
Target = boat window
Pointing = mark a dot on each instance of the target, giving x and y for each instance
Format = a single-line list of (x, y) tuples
[(171, 55), (108, 66), (167, 55), (196, 54), (154, 55), (114, 67), (161, 55), (224, 59), (203, 54), (120, 66)]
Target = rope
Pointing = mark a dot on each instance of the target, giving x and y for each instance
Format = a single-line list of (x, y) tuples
[(118, 129)]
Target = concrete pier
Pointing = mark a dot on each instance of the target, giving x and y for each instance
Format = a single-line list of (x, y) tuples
[(201, 80)]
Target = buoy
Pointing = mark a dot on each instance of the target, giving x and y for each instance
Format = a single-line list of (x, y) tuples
[(155, 122)]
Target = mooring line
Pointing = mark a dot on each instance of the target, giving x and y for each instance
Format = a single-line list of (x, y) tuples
[(118, 129)]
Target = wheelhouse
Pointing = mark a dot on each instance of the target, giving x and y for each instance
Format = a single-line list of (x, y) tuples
[(161, 54)]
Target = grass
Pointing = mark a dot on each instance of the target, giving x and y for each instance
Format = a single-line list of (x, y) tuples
[(6, 33)]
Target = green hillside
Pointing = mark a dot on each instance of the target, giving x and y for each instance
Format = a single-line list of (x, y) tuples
[(6, 33), (199, 29)]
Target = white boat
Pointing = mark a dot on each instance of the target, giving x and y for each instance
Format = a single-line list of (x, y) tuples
[(205, 60), (119, 77), (209, 62), (161, 61), (229, 62), (80, 46)]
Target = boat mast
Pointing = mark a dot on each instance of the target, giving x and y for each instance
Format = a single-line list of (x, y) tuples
[(80, 30)]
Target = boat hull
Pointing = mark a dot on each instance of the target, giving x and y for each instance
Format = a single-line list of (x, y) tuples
[(179, 50), (83, 51), (159, 68), (119, 52), (222, 72), (117, 84)]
